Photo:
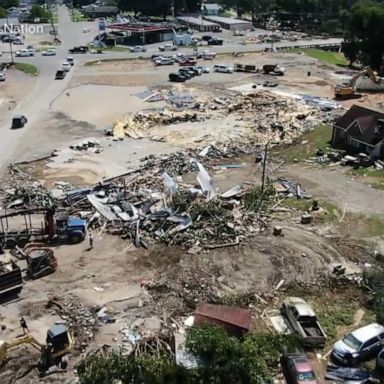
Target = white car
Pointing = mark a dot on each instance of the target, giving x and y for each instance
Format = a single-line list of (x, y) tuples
[(2, 76), (203, 69), (138, 48), (223, 68), (24, 53), (66, 66), (71, 60), (49, 52), (167, 47)]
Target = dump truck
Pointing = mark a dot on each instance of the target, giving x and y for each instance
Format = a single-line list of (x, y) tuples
[(273, 69), (11, 281), (245, 68), (304, 322)]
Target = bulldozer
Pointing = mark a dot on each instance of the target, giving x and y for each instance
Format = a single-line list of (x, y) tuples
[(348, 90), (40, 260), (59, 343)]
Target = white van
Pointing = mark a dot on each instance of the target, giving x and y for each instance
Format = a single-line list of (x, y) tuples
[(224, 68)]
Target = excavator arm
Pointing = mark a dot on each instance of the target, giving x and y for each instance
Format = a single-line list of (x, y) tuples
[(349, 89), (5, 346)]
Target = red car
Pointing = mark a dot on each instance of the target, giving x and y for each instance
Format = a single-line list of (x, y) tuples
[(297, 369), (187, 62)]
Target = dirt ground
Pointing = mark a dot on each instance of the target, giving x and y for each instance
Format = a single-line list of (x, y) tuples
[(138, 285)]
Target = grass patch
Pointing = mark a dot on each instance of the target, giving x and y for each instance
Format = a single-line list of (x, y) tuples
[(362, 226), (45, 48), (335, 314), (76, 16), (328, 213), (27, 68), (115, 49), (370, 176), (326, 56), (318, 138)]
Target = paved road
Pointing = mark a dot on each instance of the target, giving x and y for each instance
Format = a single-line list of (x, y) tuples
[(36, 105)]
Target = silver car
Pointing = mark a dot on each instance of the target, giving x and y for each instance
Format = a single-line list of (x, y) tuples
[(359, 345)]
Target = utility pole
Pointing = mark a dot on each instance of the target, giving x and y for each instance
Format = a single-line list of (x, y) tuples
[(10, 41), (50, 14), (265, 155)]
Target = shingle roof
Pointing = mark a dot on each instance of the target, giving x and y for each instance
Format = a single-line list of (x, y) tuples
[(365, 118)]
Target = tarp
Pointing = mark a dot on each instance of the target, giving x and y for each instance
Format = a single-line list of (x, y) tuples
[(206, 183), (101, 208)]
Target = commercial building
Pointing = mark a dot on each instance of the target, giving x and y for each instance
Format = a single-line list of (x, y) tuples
[(93, 10), (138, 33), (199, 24), (230, 23)]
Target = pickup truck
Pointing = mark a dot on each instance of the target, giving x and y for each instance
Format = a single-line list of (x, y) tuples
[(11, 281), (273, 69), (304, 322)]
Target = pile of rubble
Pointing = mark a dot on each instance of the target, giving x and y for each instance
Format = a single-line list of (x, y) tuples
[(263, 115), (80, 319), (18, 190)]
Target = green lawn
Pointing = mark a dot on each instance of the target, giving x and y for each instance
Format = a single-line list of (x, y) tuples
[(326, 56), (314, 139), (76, 15), (370, 176), (27, 68)]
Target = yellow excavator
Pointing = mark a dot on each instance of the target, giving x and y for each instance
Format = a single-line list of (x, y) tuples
[(348, 90), (59, 344)]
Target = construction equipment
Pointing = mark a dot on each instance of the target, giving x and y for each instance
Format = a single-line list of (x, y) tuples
[(60, 226), (348, 90), (59, 343), (273, 69), (40, 262)]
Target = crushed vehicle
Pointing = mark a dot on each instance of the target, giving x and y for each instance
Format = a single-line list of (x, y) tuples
[(304, 322)]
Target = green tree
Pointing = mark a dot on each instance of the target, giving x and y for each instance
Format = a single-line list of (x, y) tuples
[(365, 31), (38, 12), (6, 4), (3, 12)]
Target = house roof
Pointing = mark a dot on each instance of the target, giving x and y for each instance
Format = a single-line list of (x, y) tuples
[(366, 120), (235, 316)]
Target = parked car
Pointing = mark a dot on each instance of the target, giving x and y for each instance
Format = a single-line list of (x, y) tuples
[(164, 61), (303, 321), (167, 47), (187, 74), (203, 69), (49, 52), (196, 70), (297, 369), (187, 62), (206, 55), (155, 56), (24, 53), (19, 121), (215, 41), (206, 37), (2, 76), (70, 60), (31, 50), (177, 78), (79, 49), (18, 41), (359, 345), (138, 48), (380, 361), (66, 66), (224, 68), (60, 74)]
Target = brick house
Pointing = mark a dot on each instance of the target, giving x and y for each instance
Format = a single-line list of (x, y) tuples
[(360, 130)]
